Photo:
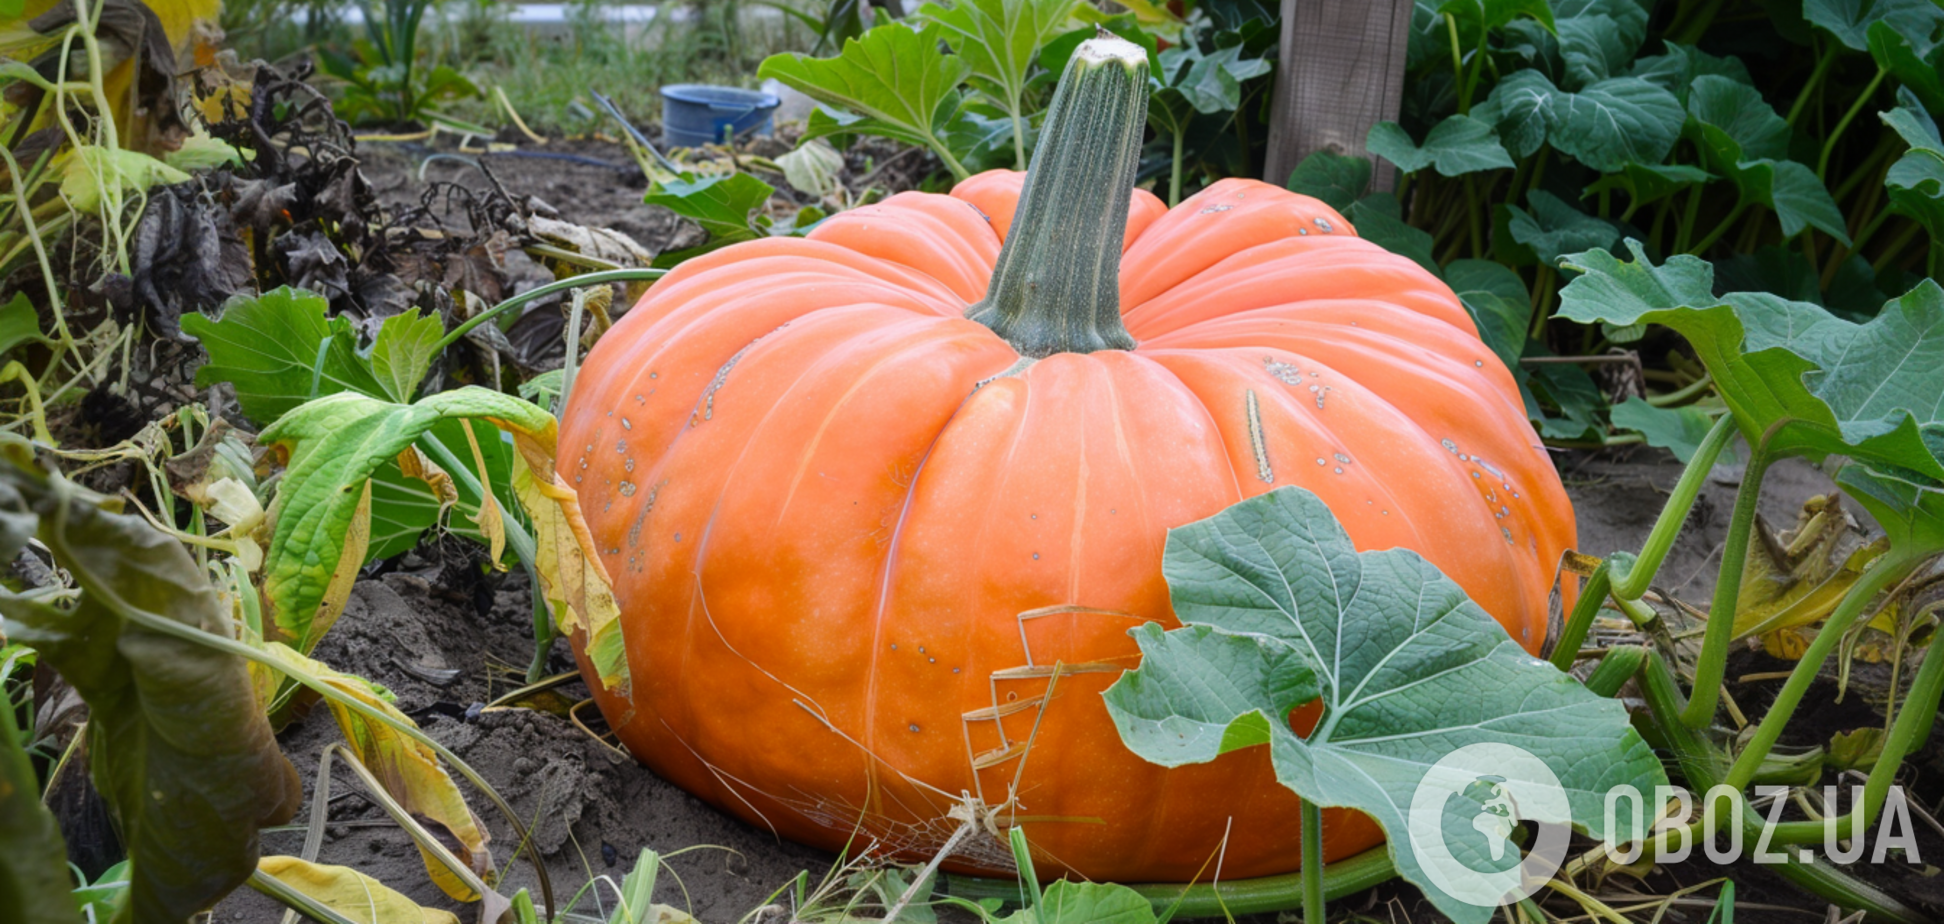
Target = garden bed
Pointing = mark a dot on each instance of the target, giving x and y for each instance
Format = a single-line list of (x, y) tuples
[(596, 808)]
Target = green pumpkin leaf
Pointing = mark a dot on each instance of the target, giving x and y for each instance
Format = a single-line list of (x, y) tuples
[(1807, 380), (1556, 227), (1742, 139), (1066, 902), (279, 350), (892, 81), (1205, 83), (1456, 146), (1375, 218), (268, 349), (177, 744), (403, 351), (1566, 387), (1279, 608), (19, 323), (1598, 38), (403, 508), (721, 205), (1498, 303), (1479, 16), (336, 443), (999, 39), (1918, 64), (1527, 41), (1621, 120), (34, 880), (1646, 184), (1850, 20), (1776, 270), (1676, 70), (1740, 114), (1679, 430), (1053, 55), (1522, 107), (1916, 181), (1910, 511), (1336, 179)]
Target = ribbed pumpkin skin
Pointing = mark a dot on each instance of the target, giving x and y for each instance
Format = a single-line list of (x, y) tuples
[(821, 528)]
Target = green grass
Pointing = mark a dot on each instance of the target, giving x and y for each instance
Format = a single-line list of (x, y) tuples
[(547, 78)]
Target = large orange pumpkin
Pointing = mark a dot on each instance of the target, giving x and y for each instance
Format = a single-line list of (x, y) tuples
[(874, 565)]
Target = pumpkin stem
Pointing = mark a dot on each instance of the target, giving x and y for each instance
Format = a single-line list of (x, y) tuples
[(1056, 287)]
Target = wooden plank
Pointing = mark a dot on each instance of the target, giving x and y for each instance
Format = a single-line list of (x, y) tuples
[(1341, 71)]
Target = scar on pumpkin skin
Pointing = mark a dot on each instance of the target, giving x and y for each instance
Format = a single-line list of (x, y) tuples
[(707, 404), (1263, 471)]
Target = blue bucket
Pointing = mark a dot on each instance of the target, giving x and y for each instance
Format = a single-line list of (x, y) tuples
[(695, 114)]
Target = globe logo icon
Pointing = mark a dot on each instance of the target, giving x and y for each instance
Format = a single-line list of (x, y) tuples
[(1463, 815)]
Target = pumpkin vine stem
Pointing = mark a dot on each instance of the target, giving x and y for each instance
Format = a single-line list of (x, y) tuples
[(1056, 287)]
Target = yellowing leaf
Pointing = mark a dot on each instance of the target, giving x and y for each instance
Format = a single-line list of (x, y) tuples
[(410, 772), (577, 586), (488, 519), (232, 502), (414, 464), (93, 171), (357, 537), (351, 893), (1795, 579), (1856, 750), (336, 442)]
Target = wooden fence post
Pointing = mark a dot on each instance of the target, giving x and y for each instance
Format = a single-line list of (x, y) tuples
[(1341, 71)]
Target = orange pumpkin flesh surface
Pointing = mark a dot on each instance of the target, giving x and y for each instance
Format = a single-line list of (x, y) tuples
[(825, 510)]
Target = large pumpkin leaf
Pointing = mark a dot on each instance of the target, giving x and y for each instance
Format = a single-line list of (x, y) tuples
[(720, 205), (1337, 179), (1498, 303), (1792, 372), (351, 893), (1911, 513), (1598, 38), (278, 350), (34, 880), (1188, 82), (1913, 60), (892, 78), (403, 351), (1620, 120), (1646, 184), (1522, 107), (177, 744), (410, 772), (335, 443), (1916, 181), (1676, 70), (1280, 609), (1378, 219), (1475, 17), (1850, 20), (283, 348), (1679, 430), (1556, 227), (1000, 40), (1456, 146), (1742, 138)]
